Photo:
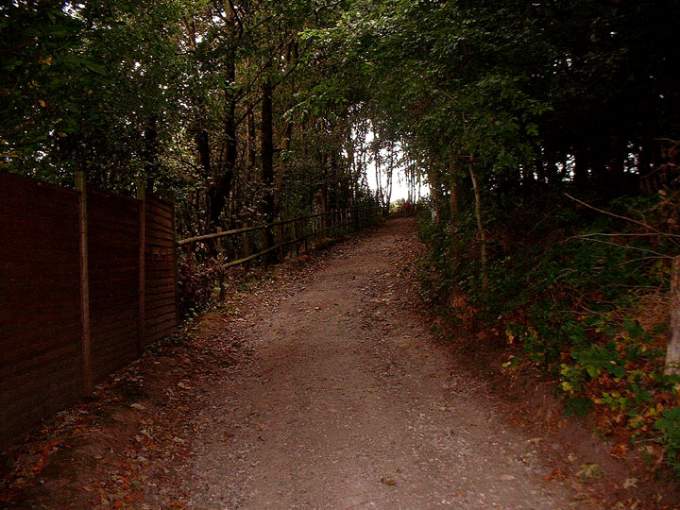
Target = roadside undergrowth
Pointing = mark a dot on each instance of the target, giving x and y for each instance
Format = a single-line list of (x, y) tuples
[(580, 297)]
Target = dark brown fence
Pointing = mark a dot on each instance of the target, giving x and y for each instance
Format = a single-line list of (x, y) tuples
[(85, 282)]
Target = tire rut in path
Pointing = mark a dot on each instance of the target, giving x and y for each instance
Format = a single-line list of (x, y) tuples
[(347, 402)]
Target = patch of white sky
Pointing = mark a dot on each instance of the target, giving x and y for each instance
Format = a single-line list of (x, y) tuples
[(399, 181)]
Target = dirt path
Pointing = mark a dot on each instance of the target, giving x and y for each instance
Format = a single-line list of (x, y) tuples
[(348, 403), (319, 387)]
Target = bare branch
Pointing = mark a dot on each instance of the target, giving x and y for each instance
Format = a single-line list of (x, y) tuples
[(627, 247), (613, 215)]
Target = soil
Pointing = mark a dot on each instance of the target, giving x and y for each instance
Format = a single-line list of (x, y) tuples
[(321, 385)]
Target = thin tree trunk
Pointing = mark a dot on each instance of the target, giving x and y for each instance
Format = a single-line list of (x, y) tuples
[(434, 179), (267, 153), (252, 142), (202, 139), (390, 173), (221, 187), (581, 163), (151, 163), (453, 186), (480, 230), (673, 349)]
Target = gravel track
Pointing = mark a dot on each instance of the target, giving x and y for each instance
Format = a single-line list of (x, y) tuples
[(347, 402)]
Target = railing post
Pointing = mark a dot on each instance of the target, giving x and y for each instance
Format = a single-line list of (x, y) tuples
[(219, 255), (141, 319), (85, 327), (175, 261), (305, 233), (247, 244), (282, 241)]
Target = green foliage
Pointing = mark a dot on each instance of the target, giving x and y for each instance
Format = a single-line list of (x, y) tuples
[(570, 304), (669, 426), (195, 289), (578, 406)]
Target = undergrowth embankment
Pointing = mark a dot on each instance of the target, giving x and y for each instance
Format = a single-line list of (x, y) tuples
[(579, 294)]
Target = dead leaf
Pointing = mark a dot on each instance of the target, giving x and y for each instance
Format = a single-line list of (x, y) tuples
[(630, 483), (590, 471)]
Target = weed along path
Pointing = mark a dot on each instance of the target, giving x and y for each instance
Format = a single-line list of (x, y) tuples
[(319, 386)]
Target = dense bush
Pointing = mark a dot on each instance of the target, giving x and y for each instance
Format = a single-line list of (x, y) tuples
[(582, 295), (196, 284)]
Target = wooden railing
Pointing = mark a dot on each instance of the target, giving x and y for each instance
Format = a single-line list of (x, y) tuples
[(331, 222), (241, 245)]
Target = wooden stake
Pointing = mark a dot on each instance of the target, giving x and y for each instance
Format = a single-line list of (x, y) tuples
[(480, 230), (673, 349), (85, 331), (175, 259), (219, 248), (141, 316)]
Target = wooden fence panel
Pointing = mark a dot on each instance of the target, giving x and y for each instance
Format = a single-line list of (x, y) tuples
[(40, 356), (161, 313), (41, 317), (113, 235)]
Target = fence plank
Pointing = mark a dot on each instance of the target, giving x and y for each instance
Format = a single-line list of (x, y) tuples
[(86, 332), (141, 253), (40, 366), (79, 272)]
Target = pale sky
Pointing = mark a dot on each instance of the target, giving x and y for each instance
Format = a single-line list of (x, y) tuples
[(399, 186)]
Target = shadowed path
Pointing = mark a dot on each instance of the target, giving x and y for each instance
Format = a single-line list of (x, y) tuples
[(348, 403)]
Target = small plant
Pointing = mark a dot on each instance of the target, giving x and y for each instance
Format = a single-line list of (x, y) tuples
[(196, 283), (669, 426)]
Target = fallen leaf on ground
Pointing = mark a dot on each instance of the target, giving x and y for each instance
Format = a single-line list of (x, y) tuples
[(590, 471)]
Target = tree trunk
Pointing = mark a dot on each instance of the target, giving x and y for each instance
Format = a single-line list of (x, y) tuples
[(436, 192), (581, 165), (454, 198), (378, 177), (453, 217), (267, 153), (673, 349), (218, 193), (151, 163), (252, 142), (390, 174), (480, 230), (453, 201), (202, 139)]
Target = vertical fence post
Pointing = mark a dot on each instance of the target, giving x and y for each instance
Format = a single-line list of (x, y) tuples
[(141, 315), (247, 243), (219, 250), (282, 241), (85, 328), (175, 259), (307, 228)]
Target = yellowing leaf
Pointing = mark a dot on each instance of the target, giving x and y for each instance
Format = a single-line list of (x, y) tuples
[(590, 471)]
